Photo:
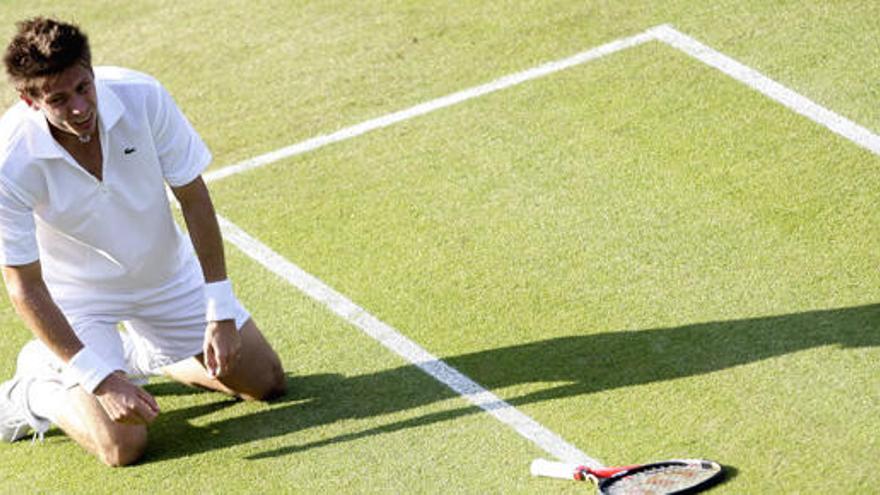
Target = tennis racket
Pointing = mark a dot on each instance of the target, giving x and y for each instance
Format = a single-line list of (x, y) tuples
[(667, 477)]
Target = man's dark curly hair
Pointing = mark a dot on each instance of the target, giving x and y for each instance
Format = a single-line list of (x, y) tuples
[(44, 47)]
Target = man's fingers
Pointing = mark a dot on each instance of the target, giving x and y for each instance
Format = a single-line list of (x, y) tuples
[(221, 367), (222, 348), (226, 357), (211, 364), (227, 362), (140, 409), (146, 412), (150, 401), (125, 402), (136, 415)]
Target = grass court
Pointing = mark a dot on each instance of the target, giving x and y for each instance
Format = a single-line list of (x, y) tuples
[(663, 250)]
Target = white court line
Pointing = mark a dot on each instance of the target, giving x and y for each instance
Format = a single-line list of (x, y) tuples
[(393, 340), (770, 88), (409, 350), (665, 33), (430, 106)]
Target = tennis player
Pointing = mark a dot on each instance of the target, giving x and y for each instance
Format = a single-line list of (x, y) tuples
[(88, 242)]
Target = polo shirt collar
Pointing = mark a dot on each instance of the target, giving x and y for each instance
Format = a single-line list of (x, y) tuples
[(109, 106), (43, 145)]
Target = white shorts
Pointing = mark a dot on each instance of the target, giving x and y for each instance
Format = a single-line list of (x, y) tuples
[(164, 325)]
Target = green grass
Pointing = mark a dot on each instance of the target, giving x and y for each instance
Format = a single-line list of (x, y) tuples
[(644, 255)]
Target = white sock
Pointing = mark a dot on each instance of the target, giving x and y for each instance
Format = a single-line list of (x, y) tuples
[(45, 397)]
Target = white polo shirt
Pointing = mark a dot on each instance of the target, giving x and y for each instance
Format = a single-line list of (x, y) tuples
[(96, 237)]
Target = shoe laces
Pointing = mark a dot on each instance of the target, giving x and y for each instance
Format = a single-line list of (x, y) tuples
[(18, 426), (41, 435)]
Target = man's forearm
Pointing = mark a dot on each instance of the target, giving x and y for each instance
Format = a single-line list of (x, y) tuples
[(204, 231), (35, 305), (42, 316)]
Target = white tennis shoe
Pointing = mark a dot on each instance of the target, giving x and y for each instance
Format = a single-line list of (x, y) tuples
[(16, 418)]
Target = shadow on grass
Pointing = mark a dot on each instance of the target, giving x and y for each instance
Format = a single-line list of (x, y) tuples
[(585, 363)]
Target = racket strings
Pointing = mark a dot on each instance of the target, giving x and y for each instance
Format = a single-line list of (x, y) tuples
[(660, 480)]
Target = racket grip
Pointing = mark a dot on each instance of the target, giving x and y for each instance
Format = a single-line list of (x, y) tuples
[(553, 469)]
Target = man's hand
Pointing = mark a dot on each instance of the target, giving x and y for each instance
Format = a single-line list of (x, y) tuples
[(221, 349), (125, 402)]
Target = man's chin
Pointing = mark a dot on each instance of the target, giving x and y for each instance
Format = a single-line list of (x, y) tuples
[(83, 135), (87, 128)]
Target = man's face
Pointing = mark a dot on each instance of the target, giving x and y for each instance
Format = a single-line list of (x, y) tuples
[(69, 101)]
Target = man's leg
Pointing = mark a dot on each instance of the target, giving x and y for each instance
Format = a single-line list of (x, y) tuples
[(257, 376), (84, 420), (168, 332), (40, 394)]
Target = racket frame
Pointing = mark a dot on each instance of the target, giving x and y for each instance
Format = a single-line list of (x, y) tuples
[(606, 477)]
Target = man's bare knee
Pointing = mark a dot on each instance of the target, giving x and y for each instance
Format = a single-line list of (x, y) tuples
[(125, 448), (271, 384), (277, 383)]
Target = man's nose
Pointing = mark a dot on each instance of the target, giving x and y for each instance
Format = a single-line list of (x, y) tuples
[(79, 105)]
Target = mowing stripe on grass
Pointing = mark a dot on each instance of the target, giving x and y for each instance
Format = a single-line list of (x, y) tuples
[(402, 346), (770, 88), (432, 105)]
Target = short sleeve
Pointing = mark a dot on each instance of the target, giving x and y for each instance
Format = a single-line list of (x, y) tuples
[(182, 153), (18, 237)]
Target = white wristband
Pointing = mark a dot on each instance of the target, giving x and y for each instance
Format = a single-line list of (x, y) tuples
[(88, 369), (220, 302)]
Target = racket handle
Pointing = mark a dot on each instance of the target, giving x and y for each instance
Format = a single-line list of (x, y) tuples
[(553, 469)]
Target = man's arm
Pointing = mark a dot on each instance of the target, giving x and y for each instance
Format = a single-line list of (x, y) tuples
[(32, 301), (222, 342), (123, 401), (201, 222)]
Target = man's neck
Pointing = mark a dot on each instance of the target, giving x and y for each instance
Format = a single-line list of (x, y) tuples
[(86, 153), (72, 142)]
